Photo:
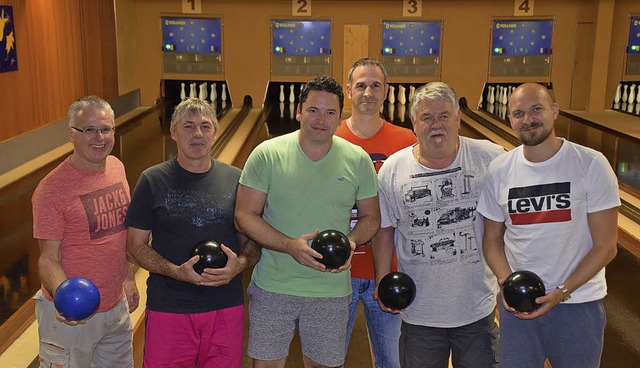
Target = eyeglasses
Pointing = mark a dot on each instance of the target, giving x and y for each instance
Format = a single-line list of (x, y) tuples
[(95, 131)]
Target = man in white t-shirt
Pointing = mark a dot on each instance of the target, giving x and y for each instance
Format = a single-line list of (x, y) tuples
[(428, 198), (550, 207)]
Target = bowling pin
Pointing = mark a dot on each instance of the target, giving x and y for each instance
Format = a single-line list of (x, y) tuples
[(412, 92), (490, 108), (480, 102), (292, 110), (492, 95), (488, 97), (201, 92), (301, 86), (624, 106), (193, 93), (504, 96), (214, 93), (630, 107), (632, 94), (391, 110), (282, 93), (223, 104), (281, 110), (616, 105), (618, 95), (223, 95), (402, 99), (183, 95), (392, 97), (402, 108), (637, 108), (292, 94), (624, 94)]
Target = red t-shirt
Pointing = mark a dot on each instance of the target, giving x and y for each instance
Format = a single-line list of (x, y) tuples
[(389, 139), (85, 210)]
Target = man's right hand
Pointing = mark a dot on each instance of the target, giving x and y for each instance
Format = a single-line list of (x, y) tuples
[(300, 250)]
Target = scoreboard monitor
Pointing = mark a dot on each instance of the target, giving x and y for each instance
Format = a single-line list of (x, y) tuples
[(522, 37), (192, 35), (410, 38), (301, 37)]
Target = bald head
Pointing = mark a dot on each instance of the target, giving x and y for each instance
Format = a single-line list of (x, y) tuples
[(532, 90)]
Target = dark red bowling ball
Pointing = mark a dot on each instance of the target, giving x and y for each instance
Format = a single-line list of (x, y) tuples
[(334, 247), (521, 289), (211, 255), (397, 290)]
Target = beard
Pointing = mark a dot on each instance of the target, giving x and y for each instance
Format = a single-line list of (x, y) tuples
[(534, 138), (371, 107)]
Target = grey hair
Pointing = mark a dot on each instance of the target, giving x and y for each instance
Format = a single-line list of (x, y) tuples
[(366, 62), (194, 107), (85, 103), (434, 91)]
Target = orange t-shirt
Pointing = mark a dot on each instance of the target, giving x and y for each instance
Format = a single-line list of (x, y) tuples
[(389, 139), (85, 211)]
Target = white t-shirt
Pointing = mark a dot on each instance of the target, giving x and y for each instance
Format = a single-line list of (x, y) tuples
[(544, 206), (438, 235)]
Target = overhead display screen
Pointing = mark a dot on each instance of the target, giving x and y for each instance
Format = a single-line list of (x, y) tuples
[(634, 36), (522, 37), (410, 38), (296, 37), (192, 35)]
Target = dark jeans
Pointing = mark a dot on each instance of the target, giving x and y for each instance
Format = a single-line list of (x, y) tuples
[(471, 346)]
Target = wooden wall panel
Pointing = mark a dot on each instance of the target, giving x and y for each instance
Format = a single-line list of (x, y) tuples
[(54, 60)]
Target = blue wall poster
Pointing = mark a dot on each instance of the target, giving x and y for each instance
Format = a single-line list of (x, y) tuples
[(8, 54)]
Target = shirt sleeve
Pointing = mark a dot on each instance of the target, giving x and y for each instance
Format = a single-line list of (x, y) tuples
[(256, 172), (368, 182), (488, 204), (385, 196), (140, 212), (48, 213), (603, 187)]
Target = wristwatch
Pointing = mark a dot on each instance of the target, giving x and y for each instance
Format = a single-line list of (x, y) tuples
[(565, 292)]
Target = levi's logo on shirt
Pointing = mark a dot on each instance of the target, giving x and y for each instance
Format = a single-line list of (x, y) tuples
[(106, 209), (539, 204)]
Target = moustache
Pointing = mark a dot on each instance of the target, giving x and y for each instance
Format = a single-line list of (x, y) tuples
[(437, 132), (534, 124)]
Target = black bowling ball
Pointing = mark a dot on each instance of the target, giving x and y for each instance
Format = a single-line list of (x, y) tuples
[(397, 290), (521, 289), (211, 255), (334, 247)]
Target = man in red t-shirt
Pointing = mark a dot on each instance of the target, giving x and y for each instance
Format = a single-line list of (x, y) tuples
[(367, 88), (78, 220)]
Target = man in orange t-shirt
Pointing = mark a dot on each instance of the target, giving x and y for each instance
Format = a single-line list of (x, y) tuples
[(78, 220), (367, 88)]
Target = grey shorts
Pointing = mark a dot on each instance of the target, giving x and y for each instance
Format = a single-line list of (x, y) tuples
[(322, 325)]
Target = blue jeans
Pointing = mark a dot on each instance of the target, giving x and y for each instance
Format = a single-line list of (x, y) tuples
[(384, 328), (570, 335), (471, 346)]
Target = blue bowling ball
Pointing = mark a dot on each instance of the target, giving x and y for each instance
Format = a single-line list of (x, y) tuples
[(76, 298)]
